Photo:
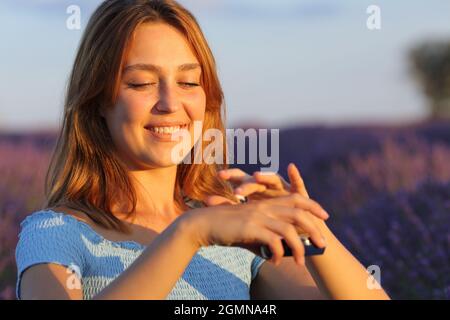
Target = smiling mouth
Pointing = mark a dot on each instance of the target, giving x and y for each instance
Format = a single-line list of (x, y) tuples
[(166, 130)]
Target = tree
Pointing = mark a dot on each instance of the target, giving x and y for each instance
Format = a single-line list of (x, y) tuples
[(431, 65)]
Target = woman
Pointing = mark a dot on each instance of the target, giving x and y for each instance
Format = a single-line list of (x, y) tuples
[(124, 220)]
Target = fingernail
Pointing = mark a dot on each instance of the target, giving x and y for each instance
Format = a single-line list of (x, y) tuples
[(238, 190), (324, 242)]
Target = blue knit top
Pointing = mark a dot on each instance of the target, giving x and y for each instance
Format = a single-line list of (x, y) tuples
[(215, 272)]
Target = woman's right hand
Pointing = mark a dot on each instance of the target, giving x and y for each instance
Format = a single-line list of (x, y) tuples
[(261, 222)]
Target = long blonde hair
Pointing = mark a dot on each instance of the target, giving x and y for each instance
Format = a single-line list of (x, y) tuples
[(84, 173)]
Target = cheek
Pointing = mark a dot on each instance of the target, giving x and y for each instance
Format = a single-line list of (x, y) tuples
[(133, 107), (196, 105)]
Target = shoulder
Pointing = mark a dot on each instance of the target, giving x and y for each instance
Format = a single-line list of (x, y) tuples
[(49, 237), (47, 220), (60, 227), (46, 230), (55, 221)]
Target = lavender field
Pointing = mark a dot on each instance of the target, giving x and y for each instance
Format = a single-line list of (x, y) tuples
[(387, 190)]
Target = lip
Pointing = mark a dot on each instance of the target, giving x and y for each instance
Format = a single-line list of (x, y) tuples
[(166, 124), (165, 137)]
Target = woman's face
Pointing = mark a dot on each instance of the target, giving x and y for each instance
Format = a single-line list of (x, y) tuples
[(159, 92)]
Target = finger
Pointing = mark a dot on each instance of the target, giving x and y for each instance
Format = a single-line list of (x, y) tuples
[(306, 223), (296, 181), (272, 240), (289, 216), (217, 200), (302, 222), (250, 188), (300, 202), (235, 175), (271, 180), (286, 185), (290, 235)]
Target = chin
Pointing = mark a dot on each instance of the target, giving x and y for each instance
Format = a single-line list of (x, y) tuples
[(164, 162)]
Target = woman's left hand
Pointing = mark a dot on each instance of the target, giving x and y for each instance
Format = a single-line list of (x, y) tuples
[(260, 185)]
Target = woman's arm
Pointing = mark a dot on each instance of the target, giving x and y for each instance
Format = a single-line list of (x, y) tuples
[(287, 281), (151, 276), (338, 273), (167, 257)]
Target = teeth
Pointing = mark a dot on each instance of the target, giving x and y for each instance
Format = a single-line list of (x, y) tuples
[(166, 130)]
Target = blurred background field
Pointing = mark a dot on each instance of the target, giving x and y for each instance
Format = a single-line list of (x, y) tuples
[(387, 189), (365, 115)]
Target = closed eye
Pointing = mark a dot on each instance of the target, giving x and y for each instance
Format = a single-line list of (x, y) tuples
[(139, 85), (189, 84), (145, 85)]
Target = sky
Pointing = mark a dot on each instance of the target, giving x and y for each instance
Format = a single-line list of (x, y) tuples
[(281, 63)]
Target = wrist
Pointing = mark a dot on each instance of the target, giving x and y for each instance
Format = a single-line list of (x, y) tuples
[(189, 228)]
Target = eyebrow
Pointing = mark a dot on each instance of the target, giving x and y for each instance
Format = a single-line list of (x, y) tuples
[(157, 69)]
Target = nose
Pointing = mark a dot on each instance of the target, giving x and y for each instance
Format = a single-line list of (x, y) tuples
[(169, 101)]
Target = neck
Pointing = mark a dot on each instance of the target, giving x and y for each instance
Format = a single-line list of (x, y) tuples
[(154, 193)]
